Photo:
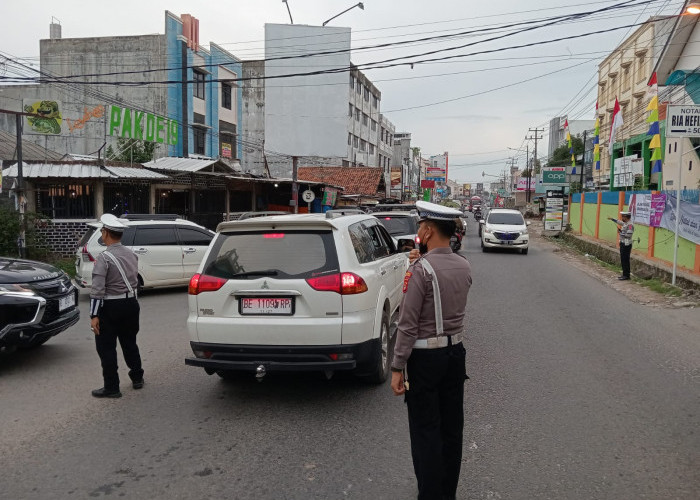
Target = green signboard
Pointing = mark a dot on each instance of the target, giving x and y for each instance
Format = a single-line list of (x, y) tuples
[(554, 176), (134, 124)]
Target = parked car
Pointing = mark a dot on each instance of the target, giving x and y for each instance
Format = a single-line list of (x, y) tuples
[(170, 249), (400, 225), (504, 228), (37, 301), (308, 292)]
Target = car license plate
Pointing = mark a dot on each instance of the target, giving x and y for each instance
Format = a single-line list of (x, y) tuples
[(509, 242), (266, 306), (66, 302)]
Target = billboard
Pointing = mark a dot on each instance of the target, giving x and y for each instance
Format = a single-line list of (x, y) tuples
[(395, 177), (48, 120), (306, 115)]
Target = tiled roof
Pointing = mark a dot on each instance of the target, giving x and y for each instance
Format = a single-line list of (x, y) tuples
[(30, 151), (366, 181)]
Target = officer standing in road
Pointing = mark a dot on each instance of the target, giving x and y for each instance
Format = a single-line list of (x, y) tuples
[(429, 357), (114, 308), (625, 230)]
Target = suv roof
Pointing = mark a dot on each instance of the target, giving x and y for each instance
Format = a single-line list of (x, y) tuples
[(141, 221), (298, 220)]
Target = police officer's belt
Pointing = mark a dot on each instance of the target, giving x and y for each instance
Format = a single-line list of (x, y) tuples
[(125, 295), (437, 342)]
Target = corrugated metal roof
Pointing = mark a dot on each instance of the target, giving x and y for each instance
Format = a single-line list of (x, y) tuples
[(59, 170), (135, 173), (30, 151), (183, 164)]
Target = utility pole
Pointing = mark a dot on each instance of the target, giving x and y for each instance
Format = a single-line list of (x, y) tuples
[(583, 160), (529, 173), (534, 137), (295, 185), (20, 191)]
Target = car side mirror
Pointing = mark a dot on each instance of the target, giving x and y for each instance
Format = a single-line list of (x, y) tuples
[(405, 245), (528, 223)]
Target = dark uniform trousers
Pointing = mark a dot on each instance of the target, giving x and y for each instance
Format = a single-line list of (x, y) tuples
[(436, 418), (625, 252), (119, 319)]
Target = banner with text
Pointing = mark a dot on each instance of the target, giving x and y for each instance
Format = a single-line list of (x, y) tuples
[(134, 124), (689, 227)]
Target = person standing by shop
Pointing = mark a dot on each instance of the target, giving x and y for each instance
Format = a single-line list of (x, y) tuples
[(429, 358), (114, 309), (625, 229)]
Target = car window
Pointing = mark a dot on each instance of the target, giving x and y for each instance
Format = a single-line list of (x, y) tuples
[(194, 237), (387, 238), (281, 254), (86, 237), (381, 249), (158, 236), (398, 224), (361, 243), (505, 218), (127, 238)]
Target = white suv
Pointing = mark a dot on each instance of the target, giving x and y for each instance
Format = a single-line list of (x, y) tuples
[(169, 249), (504, 228), (312, 292)]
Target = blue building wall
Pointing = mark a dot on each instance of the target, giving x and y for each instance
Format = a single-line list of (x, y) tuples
[(217, 56)]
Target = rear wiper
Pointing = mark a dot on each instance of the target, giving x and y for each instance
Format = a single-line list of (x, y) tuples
[(267, 272)]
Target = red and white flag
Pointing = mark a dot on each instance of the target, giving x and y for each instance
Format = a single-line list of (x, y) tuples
[(653, 85), (616, 123)]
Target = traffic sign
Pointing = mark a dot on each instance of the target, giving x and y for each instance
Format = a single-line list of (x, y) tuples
[(308, 196), (682, 121)]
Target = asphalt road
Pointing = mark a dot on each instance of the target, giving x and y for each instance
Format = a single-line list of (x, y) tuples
[(575, 393)]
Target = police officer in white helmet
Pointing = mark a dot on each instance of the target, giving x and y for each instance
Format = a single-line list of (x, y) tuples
[(114, 308)]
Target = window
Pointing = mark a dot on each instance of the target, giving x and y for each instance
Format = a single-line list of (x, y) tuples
[(379, 244), (349, 139), (361, 243), (669, 147), (371, 150), (66, 201), (355, 141), (358, 88), (352, 82), (226, 95), (366, 93), (155, 236), (383, 131), (690, 165), (365, 119), (199, 84), (363, 145), (351, 110), (675, 146), (374, 125), (200, 135), (193, 237), (375, 101), (357, 114)]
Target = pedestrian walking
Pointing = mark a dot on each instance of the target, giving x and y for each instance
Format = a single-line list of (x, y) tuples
[(429, 356), (114, 308), (625, 229)]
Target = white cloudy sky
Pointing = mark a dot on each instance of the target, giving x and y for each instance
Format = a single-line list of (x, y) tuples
[(476, 129)]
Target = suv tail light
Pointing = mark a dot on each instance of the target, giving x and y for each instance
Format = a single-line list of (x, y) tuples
[(342, 283), (87, 254), (204, 283)]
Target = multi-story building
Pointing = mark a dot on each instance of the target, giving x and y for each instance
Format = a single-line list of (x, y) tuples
[(385, 149), (557, 131), (624, 74), (202, 111)]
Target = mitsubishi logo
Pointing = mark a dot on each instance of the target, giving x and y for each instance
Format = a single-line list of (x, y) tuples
[(265, 286), (63, 288)]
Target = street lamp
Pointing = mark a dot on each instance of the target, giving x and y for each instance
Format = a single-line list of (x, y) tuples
[(359, 4), (290, 12), (693, 8)]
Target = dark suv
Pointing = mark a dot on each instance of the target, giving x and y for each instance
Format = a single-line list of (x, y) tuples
[(37, 301)]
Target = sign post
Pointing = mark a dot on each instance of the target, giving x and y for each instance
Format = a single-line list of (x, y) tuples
[(681, 121), (554, 213)]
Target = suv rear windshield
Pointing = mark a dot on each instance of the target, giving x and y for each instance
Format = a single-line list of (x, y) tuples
[(280, 254), (506, 218), (399, 224)]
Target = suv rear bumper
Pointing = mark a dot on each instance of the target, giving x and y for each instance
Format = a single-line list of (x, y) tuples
[(285, 358)]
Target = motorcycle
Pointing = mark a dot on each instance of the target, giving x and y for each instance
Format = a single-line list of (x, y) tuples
[(456, 242)]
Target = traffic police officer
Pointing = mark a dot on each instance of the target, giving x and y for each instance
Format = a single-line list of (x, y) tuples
[(429, 357), (114, 309), (625, 230)]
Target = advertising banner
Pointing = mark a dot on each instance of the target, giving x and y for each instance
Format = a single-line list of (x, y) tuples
[(647, 209), (225, 150), (135, 124), (330, 196), (522, 184), (554, 175), (689, 227), (427, 184), (554, 214), (48, 121), (395, 177)]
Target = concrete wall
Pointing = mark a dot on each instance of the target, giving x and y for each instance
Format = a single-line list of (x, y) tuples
[(83, 56), (253, 117)]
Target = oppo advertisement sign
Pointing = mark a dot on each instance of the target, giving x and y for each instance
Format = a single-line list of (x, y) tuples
[(554, 176)]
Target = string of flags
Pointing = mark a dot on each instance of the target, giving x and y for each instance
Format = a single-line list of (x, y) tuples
[(596, 140), (653, 121), (571, 147)]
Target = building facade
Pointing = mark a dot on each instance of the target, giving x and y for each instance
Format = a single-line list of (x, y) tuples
[(557, 131)]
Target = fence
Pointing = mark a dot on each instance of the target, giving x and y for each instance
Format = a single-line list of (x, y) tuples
[(589, 213)]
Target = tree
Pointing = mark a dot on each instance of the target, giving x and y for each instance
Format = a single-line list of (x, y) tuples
[(561, 157), (129, 150)]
